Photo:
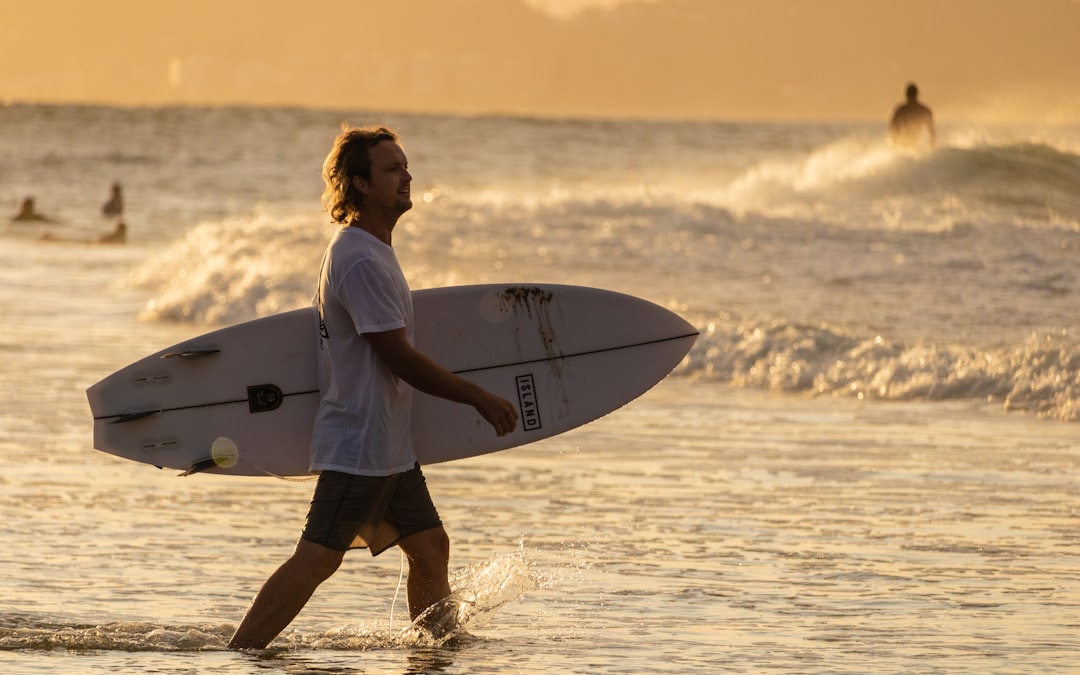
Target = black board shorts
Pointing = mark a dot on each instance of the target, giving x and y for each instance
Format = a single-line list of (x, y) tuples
[(373, 512)]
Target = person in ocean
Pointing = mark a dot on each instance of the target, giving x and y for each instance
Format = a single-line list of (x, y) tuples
[(115, 204), (28, 214), (912, 125), (370, 492)]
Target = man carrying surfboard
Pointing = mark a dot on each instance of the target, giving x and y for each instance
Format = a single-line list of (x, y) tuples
[(370, 492)]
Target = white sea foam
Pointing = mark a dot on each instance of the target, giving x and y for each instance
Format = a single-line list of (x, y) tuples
[(963, 254)]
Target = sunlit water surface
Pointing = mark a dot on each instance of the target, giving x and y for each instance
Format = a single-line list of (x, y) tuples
[(867, 464)]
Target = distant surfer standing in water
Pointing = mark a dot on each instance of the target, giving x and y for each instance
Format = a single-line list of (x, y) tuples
[(370, 492), (912, 125)]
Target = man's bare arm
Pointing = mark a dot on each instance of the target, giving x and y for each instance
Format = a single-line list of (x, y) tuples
[(424, 374)]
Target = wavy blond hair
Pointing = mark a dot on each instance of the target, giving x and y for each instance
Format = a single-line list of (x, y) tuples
[(350, 157)]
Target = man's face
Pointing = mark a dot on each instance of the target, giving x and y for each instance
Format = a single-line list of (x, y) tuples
[(389, 187)]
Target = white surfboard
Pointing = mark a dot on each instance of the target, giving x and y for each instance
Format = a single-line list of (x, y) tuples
[(241, 400)]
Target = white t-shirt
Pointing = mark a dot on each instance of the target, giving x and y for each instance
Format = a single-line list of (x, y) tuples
[(363, 425)]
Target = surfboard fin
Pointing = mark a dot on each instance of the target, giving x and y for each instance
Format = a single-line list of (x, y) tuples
[(137, 415), (191, 353), (200, 466)]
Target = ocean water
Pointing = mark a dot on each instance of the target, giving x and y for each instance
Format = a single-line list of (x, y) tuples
[(866, 464)]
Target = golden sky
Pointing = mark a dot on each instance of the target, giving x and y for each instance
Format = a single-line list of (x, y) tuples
[(770, 59)]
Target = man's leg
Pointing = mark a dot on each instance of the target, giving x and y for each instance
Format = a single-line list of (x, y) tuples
[(428, 553), (285, 593)]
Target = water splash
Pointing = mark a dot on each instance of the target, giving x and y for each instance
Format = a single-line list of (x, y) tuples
[(233, 270), (1023, 182), (1041, 376), (481, 590)]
